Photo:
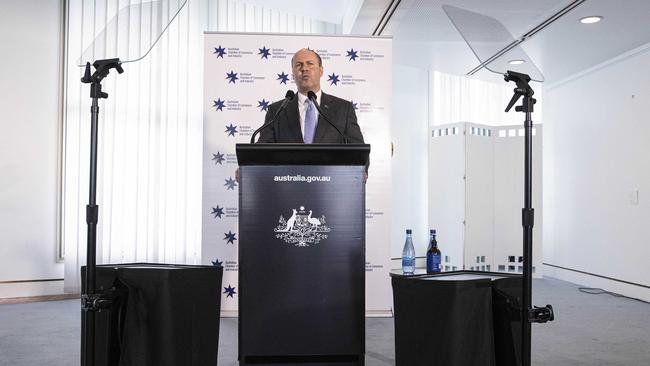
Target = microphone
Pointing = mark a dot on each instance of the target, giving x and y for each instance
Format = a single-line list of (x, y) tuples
[(312, 96), (287, 98)]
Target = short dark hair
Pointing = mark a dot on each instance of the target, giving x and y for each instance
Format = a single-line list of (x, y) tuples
[(320, 62)]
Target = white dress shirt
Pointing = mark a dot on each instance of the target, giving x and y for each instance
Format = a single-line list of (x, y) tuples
[(302, 109)]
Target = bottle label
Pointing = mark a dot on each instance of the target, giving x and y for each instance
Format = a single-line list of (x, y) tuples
[(433, 263), (406, 261), (408, 264)]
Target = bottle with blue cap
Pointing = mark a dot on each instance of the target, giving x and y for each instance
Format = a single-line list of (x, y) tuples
[(408, 254)]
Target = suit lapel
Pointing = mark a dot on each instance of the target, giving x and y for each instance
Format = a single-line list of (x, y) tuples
[(293, 120), (321, 127)]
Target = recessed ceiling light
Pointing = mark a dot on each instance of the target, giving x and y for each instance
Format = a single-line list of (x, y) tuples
[(591, 19), (516, 62)]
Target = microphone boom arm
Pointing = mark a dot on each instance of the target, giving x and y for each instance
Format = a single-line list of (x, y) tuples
[(287, 98)]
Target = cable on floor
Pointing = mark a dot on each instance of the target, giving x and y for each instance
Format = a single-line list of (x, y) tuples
[(600, 291)]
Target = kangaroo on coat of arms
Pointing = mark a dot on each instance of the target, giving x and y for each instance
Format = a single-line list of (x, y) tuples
[(301, 229)]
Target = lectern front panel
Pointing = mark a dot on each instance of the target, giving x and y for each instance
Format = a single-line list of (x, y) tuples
[(301, 260)]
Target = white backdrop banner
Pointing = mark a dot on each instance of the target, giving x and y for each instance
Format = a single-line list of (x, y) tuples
[(246, 72)]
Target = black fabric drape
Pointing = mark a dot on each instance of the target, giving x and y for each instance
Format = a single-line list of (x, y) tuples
[(455, 322), (168, 315)]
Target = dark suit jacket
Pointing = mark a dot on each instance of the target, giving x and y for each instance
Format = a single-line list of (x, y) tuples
[(286, 128)]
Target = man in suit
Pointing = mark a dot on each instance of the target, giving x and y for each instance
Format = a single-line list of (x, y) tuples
[(300, 122)]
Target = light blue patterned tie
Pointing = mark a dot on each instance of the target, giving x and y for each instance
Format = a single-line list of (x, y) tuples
[(310, 122)]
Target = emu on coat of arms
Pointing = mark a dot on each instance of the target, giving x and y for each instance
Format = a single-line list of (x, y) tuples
[(301, 229)]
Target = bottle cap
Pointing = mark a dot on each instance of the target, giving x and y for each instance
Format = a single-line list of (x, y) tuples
[(408, 231), (432, 231)]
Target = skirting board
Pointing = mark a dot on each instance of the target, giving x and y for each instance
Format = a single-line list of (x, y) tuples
[(30, 289), (24, 300), (589, 280)]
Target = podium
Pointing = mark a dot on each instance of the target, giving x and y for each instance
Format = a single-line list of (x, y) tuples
[(302, 254)]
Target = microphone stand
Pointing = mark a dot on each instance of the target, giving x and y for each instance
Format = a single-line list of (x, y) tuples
[(528, 314), (91, 300), (288, 97)]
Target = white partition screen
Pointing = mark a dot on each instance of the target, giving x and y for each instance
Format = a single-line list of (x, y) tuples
[(476, 195)]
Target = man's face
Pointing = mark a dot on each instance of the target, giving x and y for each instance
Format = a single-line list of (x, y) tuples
[(306, 71)]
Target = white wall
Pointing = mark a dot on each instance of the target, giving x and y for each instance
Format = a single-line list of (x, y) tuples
[(596, 155), (29, 85), (410, 171)]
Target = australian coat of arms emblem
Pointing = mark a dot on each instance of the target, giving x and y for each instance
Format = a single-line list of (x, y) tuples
[(302, 229)]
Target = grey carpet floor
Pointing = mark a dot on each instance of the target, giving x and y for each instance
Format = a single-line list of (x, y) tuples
[(589, 330)]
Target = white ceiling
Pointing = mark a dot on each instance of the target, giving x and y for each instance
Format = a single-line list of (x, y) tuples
[(425, 37), (331, 11)]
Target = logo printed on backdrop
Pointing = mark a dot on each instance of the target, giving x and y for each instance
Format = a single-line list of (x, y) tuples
[(237, 53), (326, 54), (244, 130), (220, 51), (370, 56), (363, 55), (221, 158), (351, 80), (264, 52), (219, 104), (301, 229), (370, 267), (235, 105), (231, 266), (333, 79), (230, 291), (230, 237), (230, 212), (218, 158), (232, 77), (371, 214), (263, 105), (280, 53), (352, 54), (244, 77), (217, 212), (231, 130), (247, 77), (283, 78), (369, 107), (230, 184)]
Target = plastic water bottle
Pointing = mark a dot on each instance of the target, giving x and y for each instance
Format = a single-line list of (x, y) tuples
[(408, 254), (433, 254)]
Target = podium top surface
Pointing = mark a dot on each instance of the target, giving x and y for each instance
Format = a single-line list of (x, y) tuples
[(302, 154)]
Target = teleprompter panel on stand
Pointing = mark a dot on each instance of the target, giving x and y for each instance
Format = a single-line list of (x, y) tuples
[(302, 254)]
